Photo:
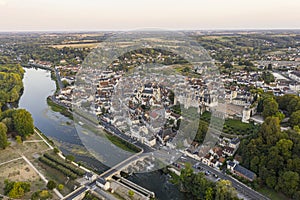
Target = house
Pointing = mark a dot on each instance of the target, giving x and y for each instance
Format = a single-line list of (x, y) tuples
[(206, 159), (90, 176), (234, 143), (229, 151), (241, 171), (102, 183)]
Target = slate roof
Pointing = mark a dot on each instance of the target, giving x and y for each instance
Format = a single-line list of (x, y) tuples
[(246, 172)]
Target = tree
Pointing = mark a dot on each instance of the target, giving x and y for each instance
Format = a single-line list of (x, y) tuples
[(270, 131), (268, 77), (16, 189), (8, 122), (3, 136), (195, 185), (19, 139), (270, 107), (224, 190), (56, 150), (60, 187), (201, 132), (51, 185), (209, 194), (70, 158), (295, 119), (23, 122), (130, 193), (41, 195), (288, 182), (285, 147)]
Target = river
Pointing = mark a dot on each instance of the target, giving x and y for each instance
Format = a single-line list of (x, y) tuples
[(37, 87)]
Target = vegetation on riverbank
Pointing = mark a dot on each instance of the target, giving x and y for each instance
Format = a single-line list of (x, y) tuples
[(126, 146), (59, 108)]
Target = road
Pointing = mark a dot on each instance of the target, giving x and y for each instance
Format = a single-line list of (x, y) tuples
[(242, 188), (11, 161), (61, 86), (115, 131)]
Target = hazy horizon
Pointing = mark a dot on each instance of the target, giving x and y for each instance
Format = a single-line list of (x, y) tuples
[(118, 15)]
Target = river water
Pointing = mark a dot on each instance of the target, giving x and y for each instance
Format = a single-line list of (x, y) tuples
[(37, 87)]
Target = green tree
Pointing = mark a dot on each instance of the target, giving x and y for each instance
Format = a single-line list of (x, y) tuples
[(8, 122), (209, 194), (23, 122), (70, 158), (295, 119), (202, 130), (270, 131), (3, 136), (270, 107), (224, 190), (288, 182), (60, 187), (19, 139), (285, 147), (41, 195), (51, 185), (130, 193), (56, 150), (16, 189)]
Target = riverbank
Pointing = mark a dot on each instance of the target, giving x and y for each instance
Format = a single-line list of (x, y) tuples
[(59, 108), (126, 146)]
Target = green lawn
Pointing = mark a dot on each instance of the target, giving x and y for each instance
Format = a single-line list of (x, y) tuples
[(233, 126)]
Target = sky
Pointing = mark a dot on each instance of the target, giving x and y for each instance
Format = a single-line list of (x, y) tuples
[(87, 15)]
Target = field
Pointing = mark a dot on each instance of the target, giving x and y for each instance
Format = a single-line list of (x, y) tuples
[(81, 45), (16, 163), (19, 170), (233, 126)]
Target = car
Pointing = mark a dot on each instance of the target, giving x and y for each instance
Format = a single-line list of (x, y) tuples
[(207, 173), (218, 179)]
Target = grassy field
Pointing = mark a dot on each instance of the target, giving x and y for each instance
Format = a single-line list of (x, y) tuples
[(20, 171), (82, 45), (8, 154), (233, 126)]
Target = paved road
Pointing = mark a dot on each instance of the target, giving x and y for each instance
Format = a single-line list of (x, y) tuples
[(242, 188), (61, 86)]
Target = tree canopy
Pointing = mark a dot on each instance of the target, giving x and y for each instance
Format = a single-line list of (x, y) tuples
[(275, 156), (3, 136), (10, 83), (196, 186), (23, 122), (16, 190)]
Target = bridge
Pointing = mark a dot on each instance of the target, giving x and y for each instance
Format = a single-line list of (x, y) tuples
[(116, 170)]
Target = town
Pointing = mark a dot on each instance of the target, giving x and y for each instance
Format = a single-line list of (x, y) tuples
[(152, 112)]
